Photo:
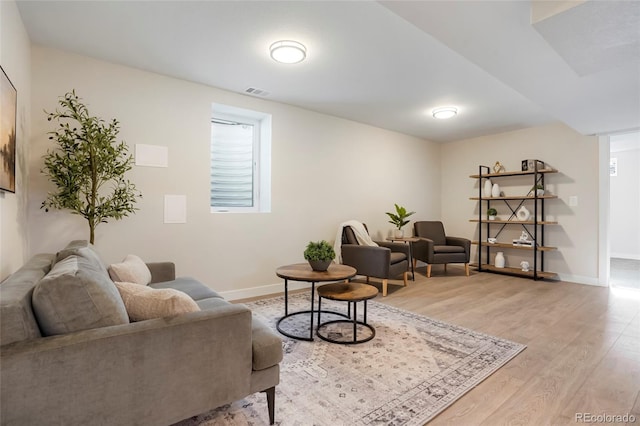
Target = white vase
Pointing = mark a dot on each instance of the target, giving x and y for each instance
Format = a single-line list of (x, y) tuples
[(495, 190), (523, 214), (499, 261), (486, 193), (399, 233)]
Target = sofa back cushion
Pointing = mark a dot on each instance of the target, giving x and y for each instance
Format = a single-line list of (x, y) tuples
[(17, 321), (82, 248), (77, 295)]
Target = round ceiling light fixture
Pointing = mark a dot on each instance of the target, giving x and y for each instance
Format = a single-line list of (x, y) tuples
[(444, 112), (288, 51)]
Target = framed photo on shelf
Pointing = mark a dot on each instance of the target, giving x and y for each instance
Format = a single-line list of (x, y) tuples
[(8, 114), (530, 165)]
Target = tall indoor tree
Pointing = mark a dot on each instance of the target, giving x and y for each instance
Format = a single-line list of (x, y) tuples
[(88, 167)]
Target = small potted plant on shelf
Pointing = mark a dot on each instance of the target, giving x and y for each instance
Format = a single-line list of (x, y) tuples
[(319, 255), (399, 219), (538, 189), (491, 213)]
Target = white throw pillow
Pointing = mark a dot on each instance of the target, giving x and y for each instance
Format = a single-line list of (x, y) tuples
[(132, 270), (143, 303)]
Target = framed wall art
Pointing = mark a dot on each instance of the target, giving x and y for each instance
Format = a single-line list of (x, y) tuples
[(8, 114)]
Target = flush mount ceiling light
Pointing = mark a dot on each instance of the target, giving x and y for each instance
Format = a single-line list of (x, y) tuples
[(288, 51), (444, 112)]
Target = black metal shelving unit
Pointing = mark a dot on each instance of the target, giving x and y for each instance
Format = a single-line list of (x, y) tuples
[(533, 227)]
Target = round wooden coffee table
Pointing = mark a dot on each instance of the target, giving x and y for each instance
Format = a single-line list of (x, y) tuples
[(303, 272), (350, 293)]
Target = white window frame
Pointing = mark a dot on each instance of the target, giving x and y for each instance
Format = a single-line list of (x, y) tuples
[(261, 156)]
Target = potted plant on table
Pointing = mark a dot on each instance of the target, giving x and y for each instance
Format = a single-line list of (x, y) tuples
[(399, 219), (491, 213), (319, 255)]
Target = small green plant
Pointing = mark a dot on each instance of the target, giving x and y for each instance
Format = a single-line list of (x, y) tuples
[(399, 218), (492, 212), (320, 250)]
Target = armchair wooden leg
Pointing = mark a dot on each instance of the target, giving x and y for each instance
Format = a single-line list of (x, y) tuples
[(415, 264), (367, 280), (271, 403), (404, 277), (466, 268), (429, 271), (384, 287), (445, 268)]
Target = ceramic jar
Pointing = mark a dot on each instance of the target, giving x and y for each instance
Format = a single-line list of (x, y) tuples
[(486, 192), (495, 190), (499, 261)]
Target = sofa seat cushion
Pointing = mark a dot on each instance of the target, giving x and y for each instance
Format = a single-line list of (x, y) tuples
[(76, 295), (266, 345), (192, 287), (132, 270), (144, 303), (448, 249), (211, 303), (397, 257)]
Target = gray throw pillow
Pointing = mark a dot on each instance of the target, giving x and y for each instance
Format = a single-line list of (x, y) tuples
[(76, 295), (82, 248)]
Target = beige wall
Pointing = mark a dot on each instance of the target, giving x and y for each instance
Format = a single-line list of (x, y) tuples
[(15, 51), (325, 170), (624, 229), (573, 155)]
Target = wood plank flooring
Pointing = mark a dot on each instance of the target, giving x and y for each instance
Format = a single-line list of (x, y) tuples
[(583, 345)]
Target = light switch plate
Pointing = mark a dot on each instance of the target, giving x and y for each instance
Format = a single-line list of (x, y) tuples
[(573, 201)]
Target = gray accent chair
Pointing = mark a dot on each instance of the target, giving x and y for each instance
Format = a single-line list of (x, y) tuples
[(386, 261), (435, 247)]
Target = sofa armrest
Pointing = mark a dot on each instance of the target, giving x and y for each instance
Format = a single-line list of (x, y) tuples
[(395, 247), (162, 271), (180, 366), (463, 242), (423, 249), (368, 260)]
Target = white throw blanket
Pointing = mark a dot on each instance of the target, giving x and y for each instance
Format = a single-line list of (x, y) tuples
[(361, 235)]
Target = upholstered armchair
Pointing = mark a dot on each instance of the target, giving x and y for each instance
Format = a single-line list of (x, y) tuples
[(386, 261), (435, 247)]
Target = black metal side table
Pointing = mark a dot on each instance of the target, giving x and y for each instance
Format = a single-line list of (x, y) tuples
[(350, 293), (303, 272)]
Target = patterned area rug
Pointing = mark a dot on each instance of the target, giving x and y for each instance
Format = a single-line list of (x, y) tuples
[(410, 371)]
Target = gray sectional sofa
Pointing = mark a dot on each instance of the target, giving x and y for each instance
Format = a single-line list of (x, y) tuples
[(106, 370)]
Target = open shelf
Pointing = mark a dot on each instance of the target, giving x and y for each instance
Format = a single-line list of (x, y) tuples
[(515, 197), (515, 271), (515, 173), (515, 222), (505, 245)]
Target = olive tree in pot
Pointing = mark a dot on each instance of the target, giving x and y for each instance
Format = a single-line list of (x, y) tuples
[(88, 166), (399, 219), (319, 255)]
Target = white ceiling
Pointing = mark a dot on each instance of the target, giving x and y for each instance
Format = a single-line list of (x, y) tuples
[(382, 63)]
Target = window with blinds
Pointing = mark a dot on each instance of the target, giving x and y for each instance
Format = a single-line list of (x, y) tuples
[(240, 160), (233, 164)]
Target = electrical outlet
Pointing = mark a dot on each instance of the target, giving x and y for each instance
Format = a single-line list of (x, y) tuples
[(573, 201)]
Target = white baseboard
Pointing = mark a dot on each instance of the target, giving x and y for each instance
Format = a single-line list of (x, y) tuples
[(632, 256), (581, 280), (264, 290)]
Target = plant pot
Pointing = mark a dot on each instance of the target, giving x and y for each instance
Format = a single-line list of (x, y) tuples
[(540, 192), (320, 265), (492, 217), (398, 233)]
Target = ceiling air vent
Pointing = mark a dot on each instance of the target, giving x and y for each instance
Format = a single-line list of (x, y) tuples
[(256, 92)]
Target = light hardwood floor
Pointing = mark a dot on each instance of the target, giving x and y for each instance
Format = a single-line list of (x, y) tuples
[(583, 345)]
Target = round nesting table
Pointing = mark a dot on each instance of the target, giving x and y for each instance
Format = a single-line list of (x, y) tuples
[(350, 293), (303, 272)]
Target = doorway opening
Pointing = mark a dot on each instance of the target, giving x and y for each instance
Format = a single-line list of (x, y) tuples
[(624, 211)]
